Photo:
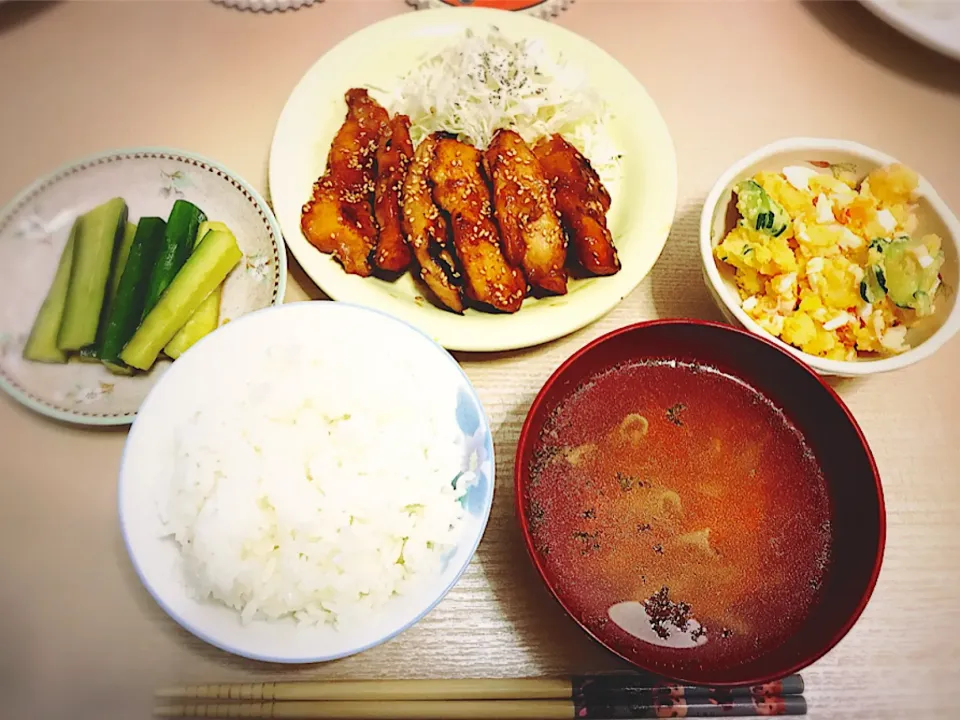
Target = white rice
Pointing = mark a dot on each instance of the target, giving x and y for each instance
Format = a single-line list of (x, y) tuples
[(318, 492)]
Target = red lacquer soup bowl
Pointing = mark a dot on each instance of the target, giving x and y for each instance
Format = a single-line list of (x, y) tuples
[(700, 502)]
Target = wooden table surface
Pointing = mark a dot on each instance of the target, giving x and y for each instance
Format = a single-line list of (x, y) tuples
[(80, 638)]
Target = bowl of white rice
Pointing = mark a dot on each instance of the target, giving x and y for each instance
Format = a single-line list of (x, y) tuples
[(306, 483)]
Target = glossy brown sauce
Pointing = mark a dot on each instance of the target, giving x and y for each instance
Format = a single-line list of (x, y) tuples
[(687, 492)]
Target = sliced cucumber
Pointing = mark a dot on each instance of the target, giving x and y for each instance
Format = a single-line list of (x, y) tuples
[(118, 368), (760, 211), (42, 345), (930, 275), (123, 254), (127, 307), (96, 243), (908, 283), (872, 286), (206, 268), (179, 240), (206, 226), (902, 273), (206, 318), (204, 321), (120, 262), (91, 353), (922, 302)]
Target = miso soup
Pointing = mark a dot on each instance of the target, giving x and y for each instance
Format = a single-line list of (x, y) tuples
[(675, 506)]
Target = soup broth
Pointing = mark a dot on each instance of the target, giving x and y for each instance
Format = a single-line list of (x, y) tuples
[(675, 506)]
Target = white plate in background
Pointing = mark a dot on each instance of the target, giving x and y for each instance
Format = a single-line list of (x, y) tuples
[(934, 23)]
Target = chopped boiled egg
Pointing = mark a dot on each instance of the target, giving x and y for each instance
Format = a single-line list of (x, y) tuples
[(923, 255), (799, 176), (773, 324), (837, 321), (824, 210), (849, 239), (843, 197), (886, 220), (893, 338), (837, 190), (786, 282)]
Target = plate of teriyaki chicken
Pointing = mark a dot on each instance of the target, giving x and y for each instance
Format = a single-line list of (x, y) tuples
[(495, 180)]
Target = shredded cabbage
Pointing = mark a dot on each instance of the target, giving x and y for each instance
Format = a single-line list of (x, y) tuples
[(484, 83)]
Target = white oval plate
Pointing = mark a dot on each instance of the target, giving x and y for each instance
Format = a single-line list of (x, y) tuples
[(934, 23), (34, 229), (644, 200), (226, 362)]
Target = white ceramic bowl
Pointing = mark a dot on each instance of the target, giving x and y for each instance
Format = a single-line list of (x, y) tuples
[(221, 363), (925, 338)]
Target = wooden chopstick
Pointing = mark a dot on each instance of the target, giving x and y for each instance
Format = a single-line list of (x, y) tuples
[(615, 687), (375, 710), (471, 689), (485, 709)]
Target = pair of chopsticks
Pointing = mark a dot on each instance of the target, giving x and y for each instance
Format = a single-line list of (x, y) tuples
[(624, 696)]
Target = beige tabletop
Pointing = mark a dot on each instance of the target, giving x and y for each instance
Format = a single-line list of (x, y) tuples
[(80, 638)]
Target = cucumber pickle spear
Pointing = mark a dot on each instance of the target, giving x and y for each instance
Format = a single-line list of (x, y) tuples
[(203, 322), (207, 317), (181, 234), (120, 262), (42, 344), (95, 244), (205, 269), (91, 353), (206, 226), (127, 308)]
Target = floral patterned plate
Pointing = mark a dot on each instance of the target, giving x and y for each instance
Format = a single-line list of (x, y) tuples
[(34, 229)]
